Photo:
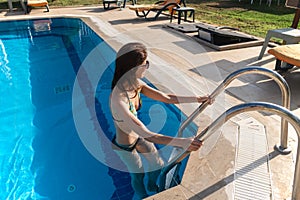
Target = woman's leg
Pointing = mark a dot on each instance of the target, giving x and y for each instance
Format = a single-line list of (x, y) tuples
[(156, 163), (134, 165), (137, 183)]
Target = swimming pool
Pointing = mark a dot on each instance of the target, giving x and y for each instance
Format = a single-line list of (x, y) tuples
[(46, 150)]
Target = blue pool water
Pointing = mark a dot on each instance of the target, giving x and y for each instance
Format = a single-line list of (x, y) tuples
[(42, 153)]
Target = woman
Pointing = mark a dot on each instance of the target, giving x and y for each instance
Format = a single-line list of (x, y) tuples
[(133, 139)]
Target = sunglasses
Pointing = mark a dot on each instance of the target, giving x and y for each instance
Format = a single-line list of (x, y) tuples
[(147, 65)]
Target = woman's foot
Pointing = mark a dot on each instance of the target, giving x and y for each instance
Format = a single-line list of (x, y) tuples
[(152, 187)]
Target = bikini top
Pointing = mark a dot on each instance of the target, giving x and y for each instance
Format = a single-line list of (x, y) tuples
[(132, 108)]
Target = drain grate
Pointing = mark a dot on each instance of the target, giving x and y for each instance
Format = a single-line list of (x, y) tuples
[(252, 174)]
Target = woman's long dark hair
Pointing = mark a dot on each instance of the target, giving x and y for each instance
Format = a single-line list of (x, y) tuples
[(128, 57)]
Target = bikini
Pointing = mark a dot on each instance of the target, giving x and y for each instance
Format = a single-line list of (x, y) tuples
[(133, 110), (132, 107)]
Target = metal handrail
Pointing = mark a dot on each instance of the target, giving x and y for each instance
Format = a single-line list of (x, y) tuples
[(246, 107), (285, 90)]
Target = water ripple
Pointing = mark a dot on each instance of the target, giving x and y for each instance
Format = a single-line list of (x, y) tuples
[(5, 70)]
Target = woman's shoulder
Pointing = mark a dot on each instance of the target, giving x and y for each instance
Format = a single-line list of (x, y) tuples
[(141, 84), (117, 96)]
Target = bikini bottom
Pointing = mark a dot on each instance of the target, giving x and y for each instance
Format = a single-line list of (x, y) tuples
[(124, 147)]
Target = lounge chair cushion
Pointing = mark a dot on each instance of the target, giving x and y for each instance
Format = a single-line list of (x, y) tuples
[(156, 6), (287, 53), (145, 7), (37, 3)]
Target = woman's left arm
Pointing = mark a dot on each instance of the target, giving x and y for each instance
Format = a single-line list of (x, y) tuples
[(172, 98)]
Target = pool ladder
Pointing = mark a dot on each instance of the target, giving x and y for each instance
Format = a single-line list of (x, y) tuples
[(283, 111)]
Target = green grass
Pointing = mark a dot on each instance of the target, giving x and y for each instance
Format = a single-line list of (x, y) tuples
[(253, 19)]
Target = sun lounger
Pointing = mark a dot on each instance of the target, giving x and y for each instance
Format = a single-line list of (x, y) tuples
[(158, 7), (37, 3)]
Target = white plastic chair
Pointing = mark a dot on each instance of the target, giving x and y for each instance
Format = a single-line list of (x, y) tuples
[(288, 35), (10, 6)]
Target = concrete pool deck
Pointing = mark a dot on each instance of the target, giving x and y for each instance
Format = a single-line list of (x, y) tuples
[(242, 164)]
